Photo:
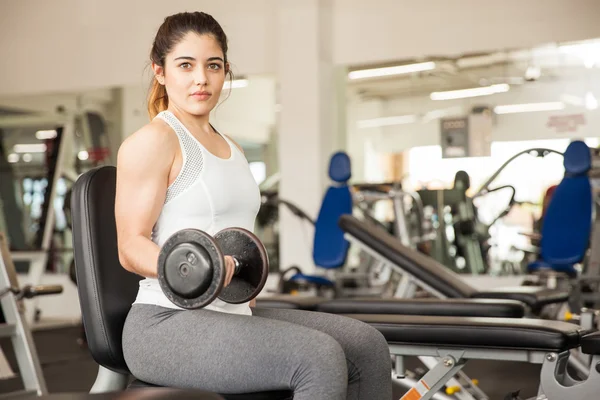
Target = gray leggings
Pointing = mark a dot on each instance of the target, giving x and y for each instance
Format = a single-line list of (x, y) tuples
[(318, 356)]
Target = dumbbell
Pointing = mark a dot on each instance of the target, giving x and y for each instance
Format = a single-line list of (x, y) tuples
[(191, 267)]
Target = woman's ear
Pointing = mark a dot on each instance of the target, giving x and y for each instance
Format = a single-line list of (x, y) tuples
[(159, 73), (227, 68)]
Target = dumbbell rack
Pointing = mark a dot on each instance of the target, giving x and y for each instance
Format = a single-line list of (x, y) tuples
[(16, 328)]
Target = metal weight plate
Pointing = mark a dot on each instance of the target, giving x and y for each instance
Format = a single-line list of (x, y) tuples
[(254, 264), (190, 269)]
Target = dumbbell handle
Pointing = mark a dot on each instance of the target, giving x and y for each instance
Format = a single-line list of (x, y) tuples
[(238, 266), (236, 262)]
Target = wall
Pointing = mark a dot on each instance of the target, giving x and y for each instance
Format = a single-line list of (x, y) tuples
[(383, 30), (66, 45)]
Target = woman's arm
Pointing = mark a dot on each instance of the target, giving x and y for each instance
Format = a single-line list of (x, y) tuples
[(253, 301), (143, 165)]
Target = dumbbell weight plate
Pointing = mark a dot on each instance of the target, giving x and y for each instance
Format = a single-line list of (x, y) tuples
[(254, 264), (190, 269)]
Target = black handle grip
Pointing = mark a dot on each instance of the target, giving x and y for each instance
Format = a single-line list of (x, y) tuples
[(40, 290)]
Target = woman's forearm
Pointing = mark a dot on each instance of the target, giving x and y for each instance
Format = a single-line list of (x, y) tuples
[(140, 256)]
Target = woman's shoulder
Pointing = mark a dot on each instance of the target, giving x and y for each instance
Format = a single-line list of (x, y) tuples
[(155, 139), (234, 142)]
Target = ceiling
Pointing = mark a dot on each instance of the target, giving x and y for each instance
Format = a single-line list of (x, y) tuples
[(516, 67)]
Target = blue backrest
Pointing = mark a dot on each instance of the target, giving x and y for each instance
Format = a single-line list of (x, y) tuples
[(568, 219), (330, 248)]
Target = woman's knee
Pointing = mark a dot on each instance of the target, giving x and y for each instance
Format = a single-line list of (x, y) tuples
[(322, 358), (370, 342)]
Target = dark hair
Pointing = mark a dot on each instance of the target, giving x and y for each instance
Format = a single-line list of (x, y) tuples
[(172, 30)]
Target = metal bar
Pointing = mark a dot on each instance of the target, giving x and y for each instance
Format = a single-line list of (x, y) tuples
[(436, 378), (409, 383), (394, 266), (7, 330), (22, 341), (461, 393), (530, 356)]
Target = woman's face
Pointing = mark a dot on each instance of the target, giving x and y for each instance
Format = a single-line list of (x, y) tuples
[(193, 74)]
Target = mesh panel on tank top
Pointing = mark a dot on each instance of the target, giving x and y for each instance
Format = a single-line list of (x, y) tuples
[(193, 160)]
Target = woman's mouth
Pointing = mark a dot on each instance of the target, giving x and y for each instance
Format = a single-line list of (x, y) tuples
[(201, 95)]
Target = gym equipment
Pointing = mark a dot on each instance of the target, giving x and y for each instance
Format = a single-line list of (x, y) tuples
[(421, 271), (462, 386), (567, 223), (465, 249), (329, 246), (408, 225), (191, 267), (106, 289), (566, 256), (432, 330), (72, 126), (534, 152), (588, 293), (456, 340), (15, 327)]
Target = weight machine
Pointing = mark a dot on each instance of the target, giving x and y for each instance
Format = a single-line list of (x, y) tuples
[(18, 317)]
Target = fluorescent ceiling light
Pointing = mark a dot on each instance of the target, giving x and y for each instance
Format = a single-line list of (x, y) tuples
[(589, 101), (529, 107), (13, 158), (387, 121), (388, 71), (27, 157), (43, 135), (474, 92), (588, 52), (29, 148), (235, 84), (572, 100)]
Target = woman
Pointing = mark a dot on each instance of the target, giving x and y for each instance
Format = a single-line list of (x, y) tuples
[(179, 172)]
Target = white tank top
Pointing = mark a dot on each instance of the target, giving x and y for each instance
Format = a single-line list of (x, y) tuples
[(210, 193)]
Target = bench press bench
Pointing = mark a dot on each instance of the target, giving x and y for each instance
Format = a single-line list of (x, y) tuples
[(430, 306), (444, 331), (456, 340), (419, 270)]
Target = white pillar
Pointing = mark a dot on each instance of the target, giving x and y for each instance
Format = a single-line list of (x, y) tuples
[(309, 120)]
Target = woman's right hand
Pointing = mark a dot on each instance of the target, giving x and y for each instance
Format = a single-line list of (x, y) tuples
[(229, 270)]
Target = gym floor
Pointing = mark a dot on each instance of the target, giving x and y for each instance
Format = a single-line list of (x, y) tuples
[(70, 368)]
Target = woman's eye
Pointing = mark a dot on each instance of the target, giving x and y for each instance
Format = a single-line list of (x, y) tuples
[(214, 66), (185, 65)]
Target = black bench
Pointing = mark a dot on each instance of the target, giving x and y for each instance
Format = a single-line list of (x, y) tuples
[(433, 276)]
